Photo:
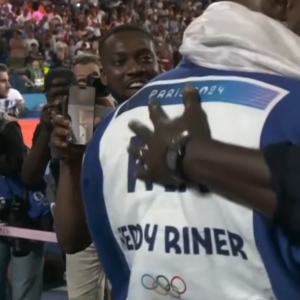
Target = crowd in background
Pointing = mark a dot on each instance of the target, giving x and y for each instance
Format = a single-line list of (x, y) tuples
[(38, 35)]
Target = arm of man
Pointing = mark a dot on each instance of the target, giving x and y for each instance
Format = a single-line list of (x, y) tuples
[(238, 173), (265, 180), (26, 77), (243, 174), (69, 216), (36, 162)]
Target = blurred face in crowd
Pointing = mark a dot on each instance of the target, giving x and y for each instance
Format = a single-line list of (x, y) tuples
[(35, 65), (25, 12), (83, 71), (34, 48), (129, 61), (4, 84), (286, 11), (59, 89)]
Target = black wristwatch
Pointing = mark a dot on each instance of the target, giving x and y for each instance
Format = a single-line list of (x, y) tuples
[(175, 155)]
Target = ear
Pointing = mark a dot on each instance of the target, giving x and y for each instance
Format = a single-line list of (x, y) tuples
[(293, 13), (103, 77), (279, 9)]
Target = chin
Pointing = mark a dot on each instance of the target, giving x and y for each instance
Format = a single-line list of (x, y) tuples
[(132, 92)]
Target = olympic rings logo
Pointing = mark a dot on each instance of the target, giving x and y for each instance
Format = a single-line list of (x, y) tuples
[(163, 286)]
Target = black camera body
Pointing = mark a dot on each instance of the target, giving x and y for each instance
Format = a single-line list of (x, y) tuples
[(15, 213), (18, 217), (95, 81)]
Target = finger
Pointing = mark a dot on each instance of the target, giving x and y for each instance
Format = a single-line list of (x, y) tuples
[(194, 111), (59, 120), (191, 99), (141, 130), (58, 143), (138, 152), (57, 102), (62, 132), (156, 113), (53, 104)]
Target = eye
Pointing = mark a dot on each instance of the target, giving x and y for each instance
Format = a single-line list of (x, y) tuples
[(119, 62), (146, 58)]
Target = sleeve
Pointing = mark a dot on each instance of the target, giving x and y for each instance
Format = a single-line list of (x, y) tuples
[(283, 160), (280, 142), (27, 74), (18, 95)]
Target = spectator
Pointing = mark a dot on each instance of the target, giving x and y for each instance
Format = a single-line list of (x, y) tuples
[(13, 104), (24, 16), (27, 262), (17, 49), (34, 76), (30, 42), (128, 39)]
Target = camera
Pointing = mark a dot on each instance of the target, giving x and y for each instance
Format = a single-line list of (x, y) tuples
[(18, 217), (15, 214), (94, 80)]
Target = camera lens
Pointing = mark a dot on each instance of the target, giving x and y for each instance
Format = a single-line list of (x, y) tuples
[(20, 247), (17, 218)]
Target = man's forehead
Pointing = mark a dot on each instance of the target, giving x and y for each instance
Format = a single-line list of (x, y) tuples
[(86, 69), (128, 41), (58, 86), (59, 81)]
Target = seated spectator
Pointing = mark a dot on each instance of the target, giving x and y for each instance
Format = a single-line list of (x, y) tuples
[(34, 75), (24, 16), (34, 51), (30, 40), (17, 49)]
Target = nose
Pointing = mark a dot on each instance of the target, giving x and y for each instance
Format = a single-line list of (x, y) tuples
[(133, 67)]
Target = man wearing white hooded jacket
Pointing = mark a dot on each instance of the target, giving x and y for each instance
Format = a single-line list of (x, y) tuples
[(165, 242)]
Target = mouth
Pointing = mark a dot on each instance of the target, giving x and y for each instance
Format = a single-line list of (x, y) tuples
[(136, 84)]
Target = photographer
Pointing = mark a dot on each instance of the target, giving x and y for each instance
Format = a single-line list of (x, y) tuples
[(19, 207), (24, 208)]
